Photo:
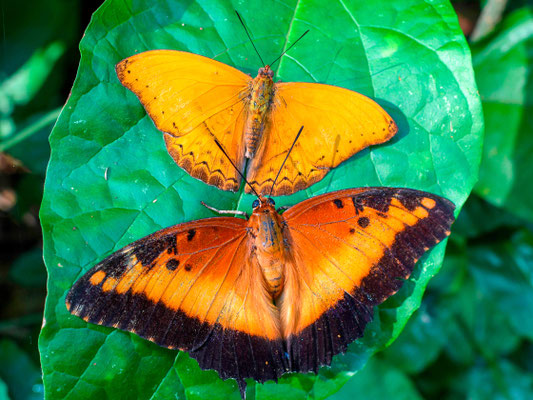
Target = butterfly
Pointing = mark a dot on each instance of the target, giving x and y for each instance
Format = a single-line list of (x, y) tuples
[(274, 293), (194, 99)]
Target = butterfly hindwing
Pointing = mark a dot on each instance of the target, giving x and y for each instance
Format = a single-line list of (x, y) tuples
[(189, 287), (353, 249), (192, 99)]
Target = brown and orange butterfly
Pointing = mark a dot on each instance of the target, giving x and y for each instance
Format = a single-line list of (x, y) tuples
[(193, 99), (259, 297)]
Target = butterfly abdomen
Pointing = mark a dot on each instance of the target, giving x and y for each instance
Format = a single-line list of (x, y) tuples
[(260, 100), (268, 247)]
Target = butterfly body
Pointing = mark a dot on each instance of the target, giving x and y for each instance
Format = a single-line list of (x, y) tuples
[(261, 97), (269, 246)]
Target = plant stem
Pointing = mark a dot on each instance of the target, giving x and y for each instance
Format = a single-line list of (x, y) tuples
[(46, 119)]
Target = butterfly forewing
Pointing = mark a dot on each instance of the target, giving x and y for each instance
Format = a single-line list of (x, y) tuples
[(192, 99)]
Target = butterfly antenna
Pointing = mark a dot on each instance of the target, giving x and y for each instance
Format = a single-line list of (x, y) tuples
[(237, 169), (249, 37), (286, 157), (290, 47)]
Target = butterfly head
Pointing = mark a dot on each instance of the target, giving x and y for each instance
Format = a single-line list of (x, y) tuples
[(266, 71), (263, 203)]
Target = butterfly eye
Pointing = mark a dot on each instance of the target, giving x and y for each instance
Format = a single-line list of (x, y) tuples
[(271, 201), (255, 203)]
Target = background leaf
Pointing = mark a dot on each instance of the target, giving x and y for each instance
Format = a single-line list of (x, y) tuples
[(28, 269), (3, 391), (38, 59), (379, 381), (18, 372), (110, 180), (504, 73)]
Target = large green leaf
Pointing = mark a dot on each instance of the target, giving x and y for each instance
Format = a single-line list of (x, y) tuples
[(111, 181), (504, 73)]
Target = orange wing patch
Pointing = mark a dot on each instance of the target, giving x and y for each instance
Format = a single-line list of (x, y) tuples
[(352, 249), (97, 277), (192, 99)]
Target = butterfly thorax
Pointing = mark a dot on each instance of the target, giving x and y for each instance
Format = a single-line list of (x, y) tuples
[(260, 99), (268, 247)]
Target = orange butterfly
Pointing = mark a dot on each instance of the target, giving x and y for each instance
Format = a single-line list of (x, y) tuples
[(194, 99), (275, 293)]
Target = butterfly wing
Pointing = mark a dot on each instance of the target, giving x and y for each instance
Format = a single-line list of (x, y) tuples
[(352, 249), (337, 124), (189, 287), (193, 99)]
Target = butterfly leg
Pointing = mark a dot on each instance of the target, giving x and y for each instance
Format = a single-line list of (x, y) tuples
[(242, 387), (234, 212)]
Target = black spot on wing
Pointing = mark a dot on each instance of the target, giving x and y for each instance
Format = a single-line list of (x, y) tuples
[(363, 222), (147, 251), (190, 234), (172, 264), (172, 244), (338, 203)]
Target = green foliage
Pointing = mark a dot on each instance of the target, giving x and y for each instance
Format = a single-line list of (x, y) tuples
[(3, 391), (18, 373), (472, 336), (35, 42), (110, 180), (21, 87), (505, 79), (379, 380), (28, 269)]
